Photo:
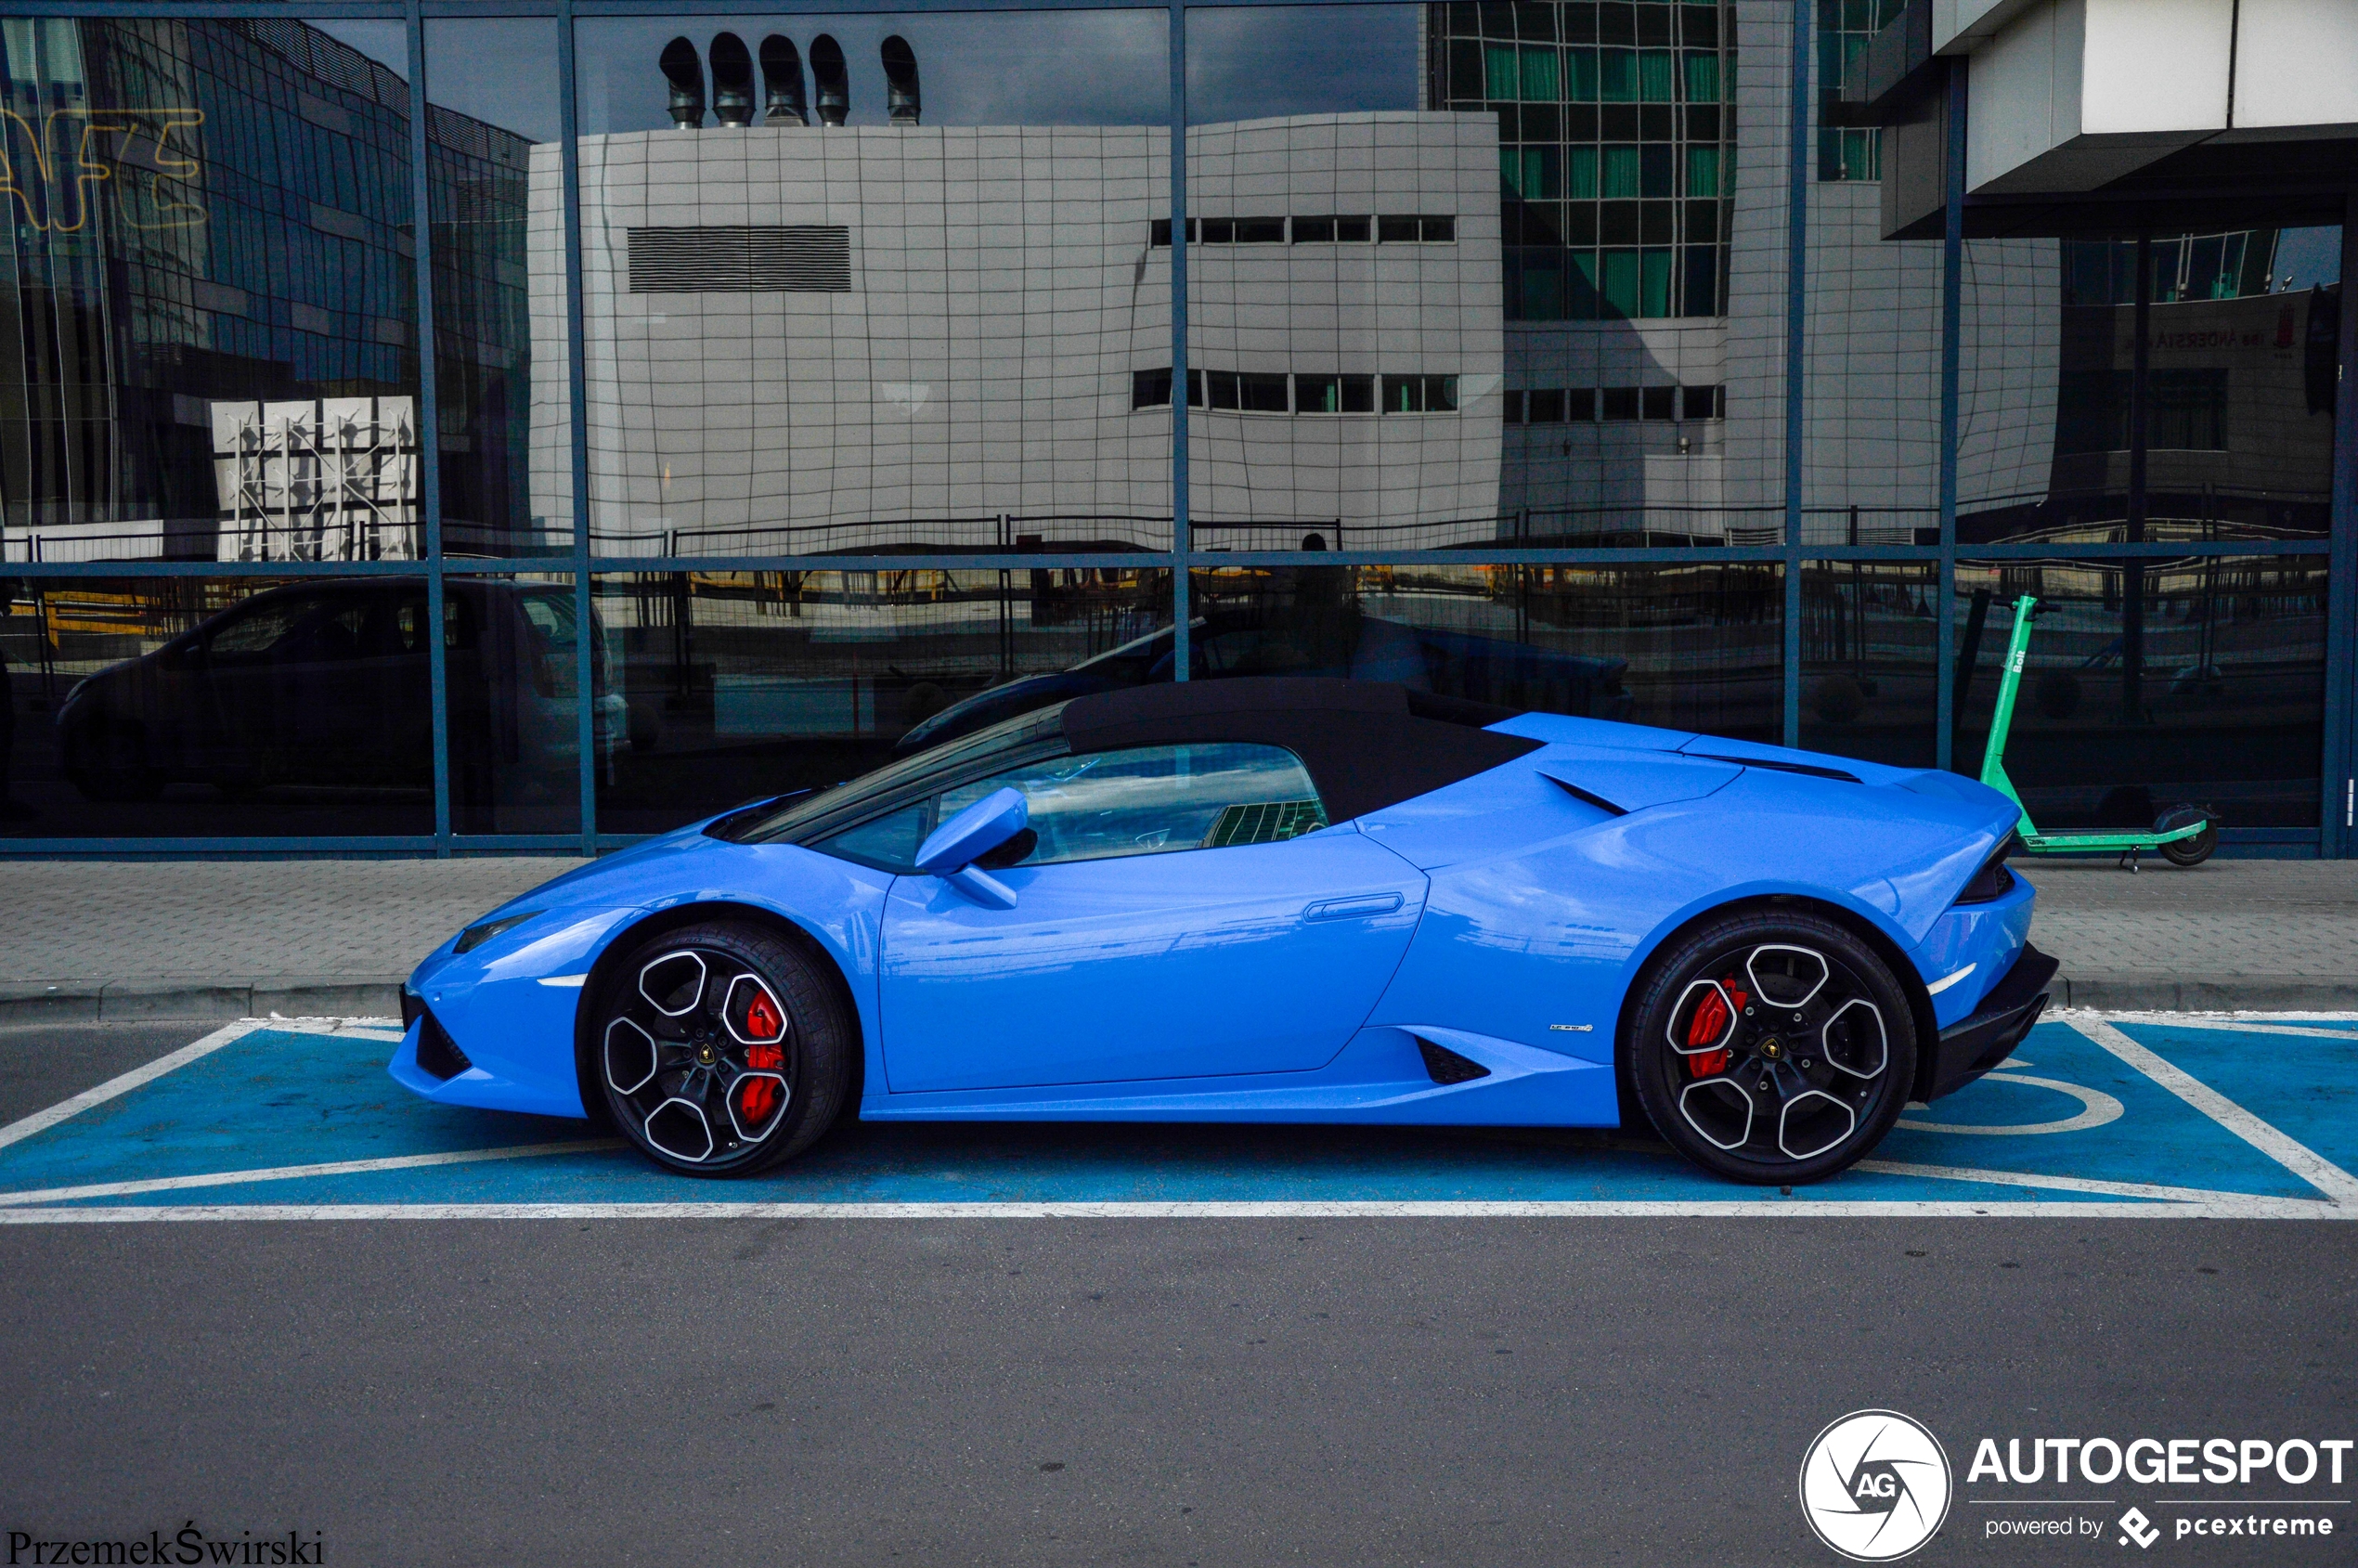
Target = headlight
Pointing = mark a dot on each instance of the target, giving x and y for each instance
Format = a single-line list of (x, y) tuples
[(476, 936)]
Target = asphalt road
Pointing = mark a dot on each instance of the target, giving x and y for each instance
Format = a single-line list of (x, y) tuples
[(1166, 1392)]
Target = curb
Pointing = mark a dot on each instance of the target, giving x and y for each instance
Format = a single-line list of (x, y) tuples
[(2198, 993), (379, 997), (198, 1001)]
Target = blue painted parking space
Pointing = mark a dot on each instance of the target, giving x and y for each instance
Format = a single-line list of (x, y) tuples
[(2169, 1116)]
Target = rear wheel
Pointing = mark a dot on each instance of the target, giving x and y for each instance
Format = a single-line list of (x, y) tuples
[(2189, 852), (1772, 1048), (720, 1049)]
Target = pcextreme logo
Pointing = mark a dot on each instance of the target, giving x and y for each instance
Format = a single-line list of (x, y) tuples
[(1875, 1485)]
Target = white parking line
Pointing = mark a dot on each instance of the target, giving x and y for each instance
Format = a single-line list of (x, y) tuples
[(41, 1120), (2301, 1160), (2077, 1183), (2148, 1201), (1759, 1208), (2236, 1026), (294, 1173)]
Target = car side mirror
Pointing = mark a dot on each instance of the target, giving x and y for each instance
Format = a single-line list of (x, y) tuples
[(951, 849)]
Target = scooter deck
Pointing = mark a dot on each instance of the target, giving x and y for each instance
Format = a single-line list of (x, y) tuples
[(2105, 843)]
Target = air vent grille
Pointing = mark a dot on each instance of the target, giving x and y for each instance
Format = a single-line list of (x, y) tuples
[(795, 258), (1444, 1066), (437, 1053)]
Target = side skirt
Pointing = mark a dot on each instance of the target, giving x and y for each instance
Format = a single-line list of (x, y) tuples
[(1381, 1078)]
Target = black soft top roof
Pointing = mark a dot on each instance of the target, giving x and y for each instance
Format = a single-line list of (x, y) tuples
[(1367, 744)]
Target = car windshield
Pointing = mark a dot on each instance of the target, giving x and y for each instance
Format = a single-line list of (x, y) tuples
[(951, 757)]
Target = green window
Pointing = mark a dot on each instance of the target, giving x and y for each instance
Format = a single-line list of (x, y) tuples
[(1529, 171), (1502, 73), (1580, 174), (1584, 286), (1655, 284), (1703, 77), (1542, 289), (1539, 84), (1703, 171), (1580, 65), (1623, 175), (1617, 75), (1657, 75), (1620, 288), (1539, 174)]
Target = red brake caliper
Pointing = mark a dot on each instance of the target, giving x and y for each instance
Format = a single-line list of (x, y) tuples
[(1709, 1023), (756, 1098)]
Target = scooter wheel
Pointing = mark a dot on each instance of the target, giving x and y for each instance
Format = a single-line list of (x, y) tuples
[(2189, 852)]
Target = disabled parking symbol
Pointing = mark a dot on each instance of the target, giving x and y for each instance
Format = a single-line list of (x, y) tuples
[(2096, 1108)]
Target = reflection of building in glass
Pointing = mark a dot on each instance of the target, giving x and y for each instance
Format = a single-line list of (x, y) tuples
[(332, 479), (810, 339), (209, 216)]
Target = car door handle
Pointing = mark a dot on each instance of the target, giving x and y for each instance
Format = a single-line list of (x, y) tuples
[(1353, 909)]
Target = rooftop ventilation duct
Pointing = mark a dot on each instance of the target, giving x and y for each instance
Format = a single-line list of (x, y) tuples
[(782, 83), (685, 73), (827, 74), (902, 103), (732, 81)]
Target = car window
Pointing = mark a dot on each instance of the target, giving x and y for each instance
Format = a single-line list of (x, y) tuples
[(1152, 800), (815, 813), (890, 843), (260, 626)]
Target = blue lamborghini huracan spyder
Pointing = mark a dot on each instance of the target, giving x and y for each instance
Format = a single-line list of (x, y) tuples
[(1269, 899)]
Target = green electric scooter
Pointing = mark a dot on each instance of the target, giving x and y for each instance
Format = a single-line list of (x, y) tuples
[(2185, 834)]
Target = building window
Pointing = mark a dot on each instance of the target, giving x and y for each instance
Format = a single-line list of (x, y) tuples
[(1579, 404), (1335, 230), (1845, 29), (1420, 395), (1630, 150), (1248, 392), (1150, 389), (1243, 231), (1334, 395), (1392, 230)]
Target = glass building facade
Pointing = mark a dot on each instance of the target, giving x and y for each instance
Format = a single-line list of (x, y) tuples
[(427, 431)]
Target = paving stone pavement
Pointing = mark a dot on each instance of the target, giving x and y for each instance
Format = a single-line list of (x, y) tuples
[(234, 938)]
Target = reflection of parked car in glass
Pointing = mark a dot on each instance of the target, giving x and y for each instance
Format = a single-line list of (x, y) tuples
[(329, 683), (1314, 640)]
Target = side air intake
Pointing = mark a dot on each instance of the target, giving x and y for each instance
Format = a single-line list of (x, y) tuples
[(1444, 1066)]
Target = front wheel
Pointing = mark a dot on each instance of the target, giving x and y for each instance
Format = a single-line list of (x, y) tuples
[(720, 1049), (1772, 1048), (2189, 852)]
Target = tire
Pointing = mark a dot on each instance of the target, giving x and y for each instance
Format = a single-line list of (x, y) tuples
[(2189, 852), (1750, 1090), (718, 1050)]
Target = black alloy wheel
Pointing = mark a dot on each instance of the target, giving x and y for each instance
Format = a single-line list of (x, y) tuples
[(720, 1050), (1772, 1048)]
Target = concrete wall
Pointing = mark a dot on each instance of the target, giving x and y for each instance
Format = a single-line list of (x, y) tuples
[(1004, 292)]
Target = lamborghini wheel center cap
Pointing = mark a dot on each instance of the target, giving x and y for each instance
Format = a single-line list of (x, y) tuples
[(706, 1054), (1772, 1048)]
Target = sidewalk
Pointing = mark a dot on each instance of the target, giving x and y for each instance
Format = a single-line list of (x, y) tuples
[(89, 940)]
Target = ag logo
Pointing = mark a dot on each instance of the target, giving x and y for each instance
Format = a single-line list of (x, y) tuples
[(1875, 1485)]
